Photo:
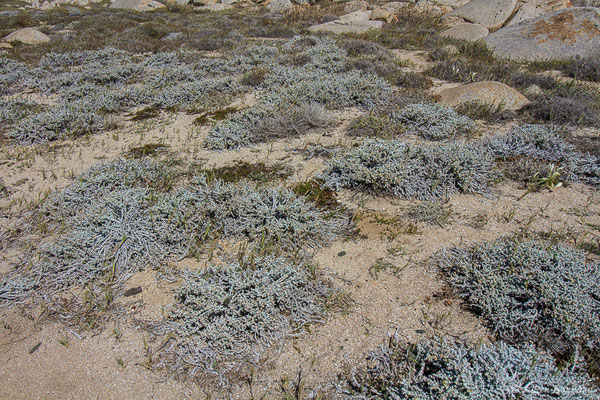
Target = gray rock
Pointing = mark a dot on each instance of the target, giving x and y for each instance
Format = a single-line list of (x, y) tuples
[(280, 6), (560, 35), (356, 22), (28, 36), (535, 8), (396, 6), (469, 32), (216, 7), (451, 3), (488, 92), (356, 5), (356, 16), (346, 27), (490, 13), (137, 5)]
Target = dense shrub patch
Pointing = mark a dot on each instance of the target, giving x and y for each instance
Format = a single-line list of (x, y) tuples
[(443, 370), (531, 292), (425, 172), (227, 317), (433, 122), (114, 221)]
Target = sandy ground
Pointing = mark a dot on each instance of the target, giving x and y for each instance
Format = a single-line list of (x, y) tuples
[(408, 297), (47, 359)]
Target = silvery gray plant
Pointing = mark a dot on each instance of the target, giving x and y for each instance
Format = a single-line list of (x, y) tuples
[(530, 291), (446, 370), (228, 317), (114, 220), (433, 121), (425, 172)]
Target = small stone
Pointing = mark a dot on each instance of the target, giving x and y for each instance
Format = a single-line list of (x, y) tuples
[(356, 16), (449, 3), (133, 291), (342, 254), (355, 22), (431, 10), (384, 15), (216, 7), (396, 6), (356, 5), (137, 5), (532, 90), (280, 6)]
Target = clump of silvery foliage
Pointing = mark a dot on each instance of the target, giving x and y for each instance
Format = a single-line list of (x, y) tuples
[(307, 88), (433, 121), (91, 85), (426, 172), (295, 95), (316, 53), (434, 171), (531, 291), (99, 181), (275, 215), (536, 141), (430, 212), (114, 220), (227, 317), (444, 370), (113, 238), (14, 109), (544, 143), (262, 124)]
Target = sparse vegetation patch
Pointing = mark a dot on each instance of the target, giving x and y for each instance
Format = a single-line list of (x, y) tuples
[(298, 97), (545, 145)]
